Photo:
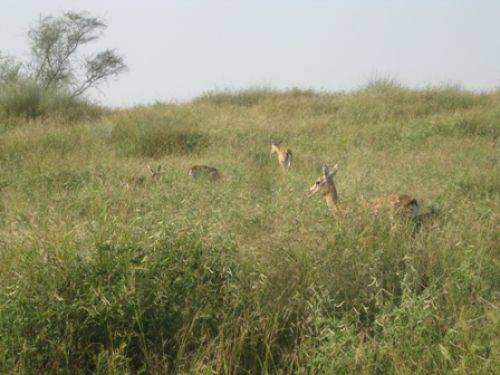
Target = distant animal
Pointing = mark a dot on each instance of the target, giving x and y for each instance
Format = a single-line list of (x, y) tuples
[(395, 203), (135, 181), (140, 180), (284, 155), (204, 170), (155, 172)]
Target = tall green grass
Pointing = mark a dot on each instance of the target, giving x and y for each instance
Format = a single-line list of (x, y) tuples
[(245, 275), (26, 99), (151, 134)]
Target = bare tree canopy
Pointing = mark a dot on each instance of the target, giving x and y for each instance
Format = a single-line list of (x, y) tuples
[(10, 69), (55, 45)]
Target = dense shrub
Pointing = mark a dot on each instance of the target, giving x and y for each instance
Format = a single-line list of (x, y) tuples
[(244, 98), (185, 303), (140, 303), (27, 99), (163, 134), (250, 97)]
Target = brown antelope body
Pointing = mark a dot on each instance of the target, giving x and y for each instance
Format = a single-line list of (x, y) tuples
[(135, 181), (155, 172), (140, 180), (394, 203), (204, 170), (284, 155)]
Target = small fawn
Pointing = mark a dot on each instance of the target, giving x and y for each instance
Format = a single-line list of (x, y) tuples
[(155, 172), (204, 170), (284, 155), (399, 203), (140, 180)]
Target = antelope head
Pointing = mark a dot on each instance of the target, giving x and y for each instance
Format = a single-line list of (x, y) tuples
[(324, 183)]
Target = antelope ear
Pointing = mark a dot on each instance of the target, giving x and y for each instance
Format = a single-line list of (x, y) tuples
[(158, 169), (334, 170), (325, 171), (151, 169)]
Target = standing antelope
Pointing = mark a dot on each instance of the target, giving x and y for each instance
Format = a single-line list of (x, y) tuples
[(400, 203), (284, 155), (204, 170)]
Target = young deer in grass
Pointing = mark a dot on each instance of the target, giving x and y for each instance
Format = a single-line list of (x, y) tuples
[(155, 172), (397, 203), (140, 180), (204, 170), (284, 155)]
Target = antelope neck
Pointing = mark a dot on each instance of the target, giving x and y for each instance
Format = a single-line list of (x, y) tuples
[(331, 196)]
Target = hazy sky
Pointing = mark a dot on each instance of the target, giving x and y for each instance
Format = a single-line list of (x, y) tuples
[(177, 49)]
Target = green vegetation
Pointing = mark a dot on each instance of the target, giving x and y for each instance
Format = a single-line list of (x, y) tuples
[(245, 275), (26, 99), (53, 81)]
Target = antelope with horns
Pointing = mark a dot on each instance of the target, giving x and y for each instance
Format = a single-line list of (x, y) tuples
[(397, 203), (140, 180), (155, 172)]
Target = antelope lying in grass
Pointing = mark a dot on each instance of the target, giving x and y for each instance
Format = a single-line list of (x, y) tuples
[(395, 203), (204, 170), (140, 180), (135, 181), (155, 172), (284, 155)]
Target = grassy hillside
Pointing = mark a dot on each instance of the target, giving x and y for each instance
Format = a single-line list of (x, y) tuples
[(245, 274)]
